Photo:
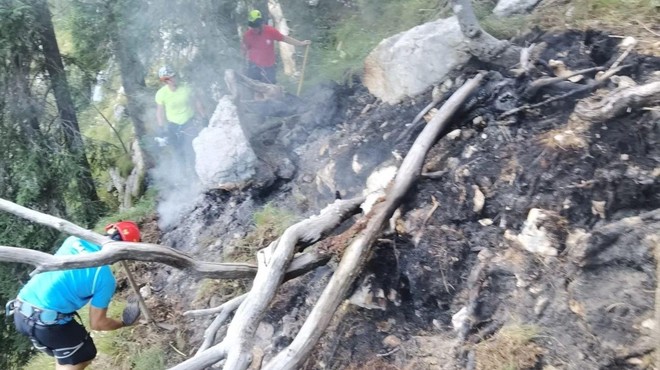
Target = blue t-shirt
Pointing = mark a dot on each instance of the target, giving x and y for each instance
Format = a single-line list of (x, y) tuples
[(67, 291)]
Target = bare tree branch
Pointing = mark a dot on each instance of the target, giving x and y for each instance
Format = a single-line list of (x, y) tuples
[(224, 311), (118, 251), (272, 262), (618, 101)]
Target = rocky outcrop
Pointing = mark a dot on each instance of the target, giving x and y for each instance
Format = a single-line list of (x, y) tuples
[(224, 158), (408, 63)]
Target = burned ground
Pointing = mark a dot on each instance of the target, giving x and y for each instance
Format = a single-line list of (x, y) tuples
[(591, 304)]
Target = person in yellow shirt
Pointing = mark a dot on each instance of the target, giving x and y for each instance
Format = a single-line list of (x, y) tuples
[(178, 112)]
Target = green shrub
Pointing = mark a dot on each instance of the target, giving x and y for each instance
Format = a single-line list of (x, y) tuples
[(152, 358), (142, 210), (269, 223)]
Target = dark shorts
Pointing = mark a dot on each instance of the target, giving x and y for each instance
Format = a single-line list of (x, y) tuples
[(69, 343), (263, 74)]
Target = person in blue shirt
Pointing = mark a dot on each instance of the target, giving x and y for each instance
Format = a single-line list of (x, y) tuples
[(45, 309)]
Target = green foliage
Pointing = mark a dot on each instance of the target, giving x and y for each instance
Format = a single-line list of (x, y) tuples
[(269, 223), (505, 28), (339, 52), (272, 220), (604, 15), (89, 28), (152, 358), (141, 211)]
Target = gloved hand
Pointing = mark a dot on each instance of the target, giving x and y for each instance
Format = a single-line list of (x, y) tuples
[(131, 312), (161, 141)]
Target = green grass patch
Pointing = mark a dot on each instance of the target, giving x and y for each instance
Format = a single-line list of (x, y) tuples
[(511, 348), (152, 358), (142, 210), (341, 53), (623, 17), (269, 223), (225, 289)]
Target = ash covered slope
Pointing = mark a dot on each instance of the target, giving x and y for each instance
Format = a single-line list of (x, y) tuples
[(530, 244)]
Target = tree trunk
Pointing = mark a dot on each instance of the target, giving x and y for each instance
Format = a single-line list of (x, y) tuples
[(66, 110), (287, 51), (132, 70), (482, 44)]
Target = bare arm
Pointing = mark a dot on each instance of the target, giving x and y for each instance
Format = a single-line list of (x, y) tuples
[(98, 320), (292, 41)]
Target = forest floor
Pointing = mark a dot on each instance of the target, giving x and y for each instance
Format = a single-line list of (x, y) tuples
[(587, 302)]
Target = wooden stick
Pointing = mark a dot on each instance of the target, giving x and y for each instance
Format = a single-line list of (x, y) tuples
[(136, 289), (302, 72), (225, 310), (536, 85), (594, 85)]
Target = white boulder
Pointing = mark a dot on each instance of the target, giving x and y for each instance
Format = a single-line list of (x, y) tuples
[(408, 63), (223, 156)]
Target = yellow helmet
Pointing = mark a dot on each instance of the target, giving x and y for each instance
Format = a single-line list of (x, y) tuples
[(254, 15)]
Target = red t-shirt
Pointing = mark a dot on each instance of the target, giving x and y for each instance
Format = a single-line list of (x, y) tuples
[(260, 46)]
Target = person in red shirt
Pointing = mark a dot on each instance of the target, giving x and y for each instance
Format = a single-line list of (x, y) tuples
[(259, 48)]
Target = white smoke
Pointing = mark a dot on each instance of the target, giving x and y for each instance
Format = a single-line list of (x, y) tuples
[(178, 187)]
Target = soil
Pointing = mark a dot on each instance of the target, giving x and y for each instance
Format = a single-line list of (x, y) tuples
[(591, 305)]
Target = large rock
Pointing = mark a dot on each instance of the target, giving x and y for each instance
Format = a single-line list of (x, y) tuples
[(408, 63), (509, 7), (224, 158)]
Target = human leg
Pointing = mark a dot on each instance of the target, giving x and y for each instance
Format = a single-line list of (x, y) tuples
[(69, 343), (255, 72), (270, 74)]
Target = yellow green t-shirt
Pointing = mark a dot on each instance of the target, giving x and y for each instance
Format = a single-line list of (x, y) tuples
[(178, 103)]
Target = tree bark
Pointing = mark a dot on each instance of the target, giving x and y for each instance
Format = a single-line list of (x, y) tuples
[(66, 110)]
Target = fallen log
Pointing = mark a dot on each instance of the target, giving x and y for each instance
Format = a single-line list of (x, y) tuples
[(272, 261), (293, 356), (618, 102), (585, 88)]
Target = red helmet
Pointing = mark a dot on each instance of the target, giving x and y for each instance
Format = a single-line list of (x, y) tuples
[(126, 231)]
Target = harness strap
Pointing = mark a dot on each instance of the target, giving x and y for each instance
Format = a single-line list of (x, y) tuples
[(42, 316), (58, 353)]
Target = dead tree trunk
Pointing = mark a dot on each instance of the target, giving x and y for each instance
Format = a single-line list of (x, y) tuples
[(287, 51), (482, 44)]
